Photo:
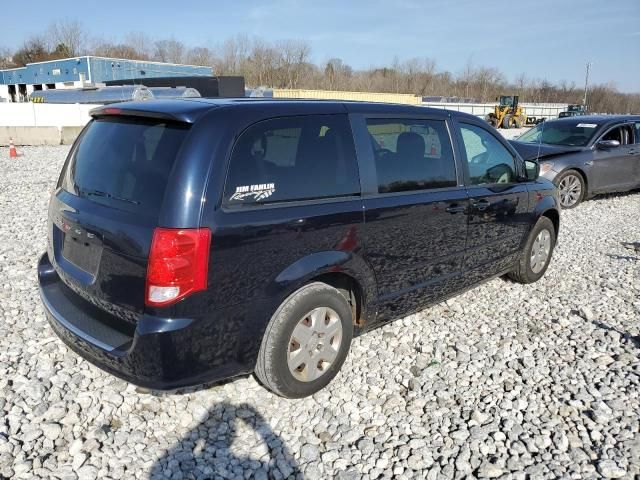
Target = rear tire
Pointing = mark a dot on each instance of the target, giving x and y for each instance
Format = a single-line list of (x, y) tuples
[(506, 121), (537, 253), (289, 364)]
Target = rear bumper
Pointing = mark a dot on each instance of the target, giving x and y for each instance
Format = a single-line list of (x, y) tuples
[(157, 353)]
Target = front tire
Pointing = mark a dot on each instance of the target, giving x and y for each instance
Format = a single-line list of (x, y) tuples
[(537, 253), (571, 188), (306, 341)]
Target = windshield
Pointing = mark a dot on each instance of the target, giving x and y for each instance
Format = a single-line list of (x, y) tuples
[(506, 101), (560, 133), (124, 162)]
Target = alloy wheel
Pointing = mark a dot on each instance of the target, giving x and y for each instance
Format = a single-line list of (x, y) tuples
[(570, 189)]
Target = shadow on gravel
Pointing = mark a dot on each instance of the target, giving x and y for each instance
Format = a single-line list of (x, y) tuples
[(207, 451), (190, 390), (634, 339), (628, 258), (635, 246), (607, 196)]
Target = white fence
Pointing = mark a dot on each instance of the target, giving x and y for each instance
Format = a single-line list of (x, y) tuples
[(544, 110), (44, 115)]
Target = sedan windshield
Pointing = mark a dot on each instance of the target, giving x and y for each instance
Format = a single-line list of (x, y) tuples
[(560, 133)]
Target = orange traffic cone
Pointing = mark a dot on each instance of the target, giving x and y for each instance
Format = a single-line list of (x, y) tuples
[(13, 153)]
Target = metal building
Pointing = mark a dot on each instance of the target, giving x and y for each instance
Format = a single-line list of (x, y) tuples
[(17, 83)]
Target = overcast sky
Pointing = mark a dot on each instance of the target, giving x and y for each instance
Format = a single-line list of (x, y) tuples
[(550, 39)]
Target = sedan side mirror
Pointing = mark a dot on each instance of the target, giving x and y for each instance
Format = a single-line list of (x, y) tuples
[(531, 170), (607, 144)]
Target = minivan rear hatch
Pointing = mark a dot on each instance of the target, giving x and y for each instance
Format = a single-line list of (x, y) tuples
[(103, 214)]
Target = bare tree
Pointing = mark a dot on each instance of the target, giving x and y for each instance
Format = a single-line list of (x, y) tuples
[(337, 74), (200, 56), (6, 58), (233, 55), (293, 57), (170, 51), (262, 64), (141, 43), (68, 33), (118, 50), (33, 50)]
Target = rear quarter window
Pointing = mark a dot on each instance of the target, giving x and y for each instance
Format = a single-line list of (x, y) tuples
[(293, 158), (124, 162)]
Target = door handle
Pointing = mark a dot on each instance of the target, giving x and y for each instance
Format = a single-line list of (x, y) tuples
[(456, 208), (481, 205)]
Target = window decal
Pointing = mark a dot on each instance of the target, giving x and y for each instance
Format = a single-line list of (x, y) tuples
[(258, 192)]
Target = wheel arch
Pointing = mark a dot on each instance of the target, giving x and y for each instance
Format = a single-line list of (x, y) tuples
[(345, 271), (553, 215), (350, 288)]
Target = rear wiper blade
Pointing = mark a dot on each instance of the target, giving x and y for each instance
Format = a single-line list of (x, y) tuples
[(96, 193), (99, 193), (122, 199)]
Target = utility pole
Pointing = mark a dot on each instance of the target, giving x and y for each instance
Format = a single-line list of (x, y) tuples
[(586, 85)]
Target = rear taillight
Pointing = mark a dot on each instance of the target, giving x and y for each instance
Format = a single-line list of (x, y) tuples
[(178, 264)]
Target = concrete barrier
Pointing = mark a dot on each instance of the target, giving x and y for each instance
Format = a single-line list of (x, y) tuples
[(44, 115), (68, 135), (42, 124), (39, 135)]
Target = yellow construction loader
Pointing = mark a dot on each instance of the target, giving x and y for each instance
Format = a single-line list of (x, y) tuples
[(508, 114)]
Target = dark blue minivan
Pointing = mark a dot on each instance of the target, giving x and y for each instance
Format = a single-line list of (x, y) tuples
[(195, 240)]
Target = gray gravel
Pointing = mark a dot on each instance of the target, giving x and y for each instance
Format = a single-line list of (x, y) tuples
[(512, 133), (505, 381)]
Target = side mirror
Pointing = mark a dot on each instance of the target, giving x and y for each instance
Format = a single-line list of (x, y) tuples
[(607, 144), (531, 170)]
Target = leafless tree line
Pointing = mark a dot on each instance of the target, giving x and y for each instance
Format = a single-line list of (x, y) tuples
[(287, 64)]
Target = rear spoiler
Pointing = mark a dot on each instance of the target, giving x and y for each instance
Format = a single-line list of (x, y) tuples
[(106, 111)]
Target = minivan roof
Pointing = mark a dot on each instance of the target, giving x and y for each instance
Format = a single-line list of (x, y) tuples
[(189, 110)]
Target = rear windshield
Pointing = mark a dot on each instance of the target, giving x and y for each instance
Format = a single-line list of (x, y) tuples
[(560, 133), (124, 163)]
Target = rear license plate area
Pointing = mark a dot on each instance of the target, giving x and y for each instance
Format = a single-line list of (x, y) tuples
[(79, 247)]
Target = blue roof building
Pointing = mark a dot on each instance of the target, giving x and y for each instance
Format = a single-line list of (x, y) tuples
[(17, 83)]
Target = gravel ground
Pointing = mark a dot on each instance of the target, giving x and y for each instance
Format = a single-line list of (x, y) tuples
[(507, 381), (512, 132)]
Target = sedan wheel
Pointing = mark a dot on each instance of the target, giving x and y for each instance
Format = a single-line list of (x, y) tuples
[(570, 189)]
